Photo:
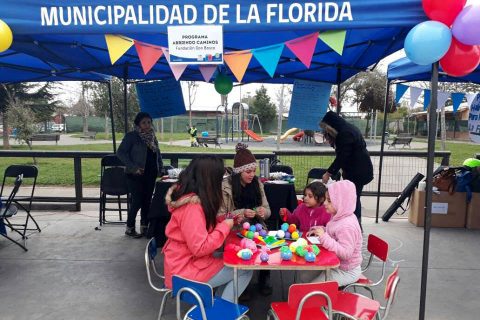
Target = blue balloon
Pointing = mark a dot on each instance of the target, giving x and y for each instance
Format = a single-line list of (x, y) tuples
[(427, 42)]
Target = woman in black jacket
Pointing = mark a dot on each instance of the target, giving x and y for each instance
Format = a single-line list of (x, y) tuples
[(351, 155), (140, 153)]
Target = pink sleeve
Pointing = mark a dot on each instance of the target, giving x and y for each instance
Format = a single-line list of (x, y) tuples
[(293, 218), (194, 231), (344, 247)]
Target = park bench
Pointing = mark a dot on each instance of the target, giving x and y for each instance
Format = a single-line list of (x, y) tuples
[(400, 140), (44, 137), (90, 135), (205, 141)]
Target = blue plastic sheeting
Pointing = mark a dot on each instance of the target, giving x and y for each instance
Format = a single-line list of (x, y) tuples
[(20, 67), (405, 70), (376, 29)]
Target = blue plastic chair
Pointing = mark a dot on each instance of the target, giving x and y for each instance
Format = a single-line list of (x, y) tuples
[(150, 255), (206, 306)]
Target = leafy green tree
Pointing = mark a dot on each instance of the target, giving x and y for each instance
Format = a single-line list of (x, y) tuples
[(262, 106), (100, 101)]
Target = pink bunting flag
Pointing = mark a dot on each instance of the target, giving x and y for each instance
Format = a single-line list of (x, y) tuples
[(207, 71), (148, 55), (304, 47), (177, 69)]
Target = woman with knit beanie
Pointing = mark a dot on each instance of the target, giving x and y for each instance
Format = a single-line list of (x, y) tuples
[(140, 153), (244, 195)]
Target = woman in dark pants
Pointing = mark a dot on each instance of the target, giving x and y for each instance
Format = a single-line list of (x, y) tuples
[(351, 155), (140, 153)]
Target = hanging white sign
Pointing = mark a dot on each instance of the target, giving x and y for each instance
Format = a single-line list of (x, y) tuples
[(474, 120), (195, 44)]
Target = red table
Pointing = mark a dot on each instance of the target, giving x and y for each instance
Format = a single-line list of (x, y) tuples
[(326, 260)]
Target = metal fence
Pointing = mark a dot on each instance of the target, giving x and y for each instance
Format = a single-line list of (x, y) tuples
[(83, 168)]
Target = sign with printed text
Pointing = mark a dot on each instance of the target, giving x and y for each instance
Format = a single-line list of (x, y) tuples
[(439, 208), (309, 104), (195, 44), (474, 120)]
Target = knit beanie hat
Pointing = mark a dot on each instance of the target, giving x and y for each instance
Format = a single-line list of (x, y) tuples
[(244, 160)]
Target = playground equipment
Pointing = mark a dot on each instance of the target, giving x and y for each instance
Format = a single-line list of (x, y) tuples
[(236, 122)]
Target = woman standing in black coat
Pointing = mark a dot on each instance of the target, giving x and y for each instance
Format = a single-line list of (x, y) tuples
[(351, 155), (140, 153)]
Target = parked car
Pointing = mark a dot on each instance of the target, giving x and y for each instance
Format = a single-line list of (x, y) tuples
[(58, 127)]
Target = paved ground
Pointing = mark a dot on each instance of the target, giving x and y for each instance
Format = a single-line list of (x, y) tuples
[(72, 272), (65, 140)]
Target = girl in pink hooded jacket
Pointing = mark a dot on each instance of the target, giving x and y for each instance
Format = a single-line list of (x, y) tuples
[(342, 235)]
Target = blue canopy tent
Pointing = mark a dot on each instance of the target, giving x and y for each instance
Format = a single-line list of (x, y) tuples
[(73, 34)]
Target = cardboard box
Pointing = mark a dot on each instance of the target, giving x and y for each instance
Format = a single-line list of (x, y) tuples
[(448, 211), (473, 212)]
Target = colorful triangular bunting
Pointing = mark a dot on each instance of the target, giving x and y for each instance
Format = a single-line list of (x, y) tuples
[(177, 69), (207, 71), (117, 46), (304, 47), (457, 99), (148, 55), (414, 94), (401, 89), (335, 39), (268, 57), (442, 97), (426, 98), (238, 63)]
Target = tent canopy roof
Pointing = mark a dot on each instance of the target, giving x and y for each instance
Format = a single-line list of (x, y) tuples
[(371, 35)]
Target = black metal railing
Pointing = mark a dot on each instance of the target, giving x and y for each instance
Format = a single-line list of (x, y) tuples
[(399, 168)]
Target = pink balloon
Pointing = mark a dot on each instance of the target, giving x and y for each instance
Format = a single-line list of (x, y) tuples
[(467, 25)]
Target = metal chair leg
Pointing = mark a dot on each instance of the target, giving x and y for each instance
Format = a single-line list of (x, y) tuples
[(119, 209), (14, 241), (162, 304)]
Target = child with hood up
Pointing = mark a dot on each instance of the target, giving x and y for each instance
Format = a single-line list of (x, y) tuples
[(342, 235)]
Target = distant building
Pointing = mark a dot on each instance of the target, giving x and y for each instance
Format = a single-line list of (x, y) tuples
[(205, 111)]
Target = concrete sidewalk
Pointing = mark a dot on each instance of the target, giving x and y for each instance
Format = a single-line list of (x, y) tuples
[(72, 271)]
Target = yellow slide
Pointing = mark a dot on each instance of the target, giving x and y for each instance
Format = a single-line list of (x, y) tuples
[(286, 134)]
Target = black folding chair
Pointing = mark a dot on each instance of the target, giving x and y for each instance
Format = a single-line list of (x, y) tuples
[(281, 168), (27, 172), (113, 182), (8, 211), (317, 173)]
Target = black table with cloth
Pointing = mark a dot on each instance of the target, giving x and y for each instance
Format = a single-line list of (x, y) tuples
[(158, 216), (279, 196)]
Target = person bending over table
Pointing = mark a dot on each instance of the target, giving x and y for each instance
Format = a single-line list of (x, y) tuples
[(342, 235), (194, 234), (351, 155), (244, 196), (140, 153)]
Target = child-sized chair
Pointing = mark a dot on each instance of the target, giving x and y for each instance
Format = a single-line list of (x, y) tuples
[(309, 301), (206, 306), (150, 255), (349, 299), (377, 248)]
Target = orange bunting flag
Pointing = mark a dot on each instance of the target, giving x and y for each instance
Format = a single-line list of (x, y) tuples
[(304, 47), (238, 62), (177, 69), (148, 55), (117, 46)]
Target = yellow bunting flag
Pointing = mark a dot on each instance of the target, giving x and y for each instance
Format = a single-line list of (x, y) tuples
[(335, 39), (238, 63), (117, 46)]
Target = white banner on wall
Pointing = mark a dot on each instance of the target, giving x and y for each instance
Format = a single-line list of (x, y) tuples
[(195, 44), (474, 120)]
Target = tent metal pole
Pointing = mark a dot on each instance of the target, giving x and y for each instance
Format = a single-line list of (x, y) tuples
[(428, 194), (339, 75), (125, 103), (382, 148), (110, 103)]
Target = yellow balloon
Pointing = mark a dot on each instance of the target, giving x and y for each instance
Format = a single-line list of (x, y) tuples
[(6, 36)]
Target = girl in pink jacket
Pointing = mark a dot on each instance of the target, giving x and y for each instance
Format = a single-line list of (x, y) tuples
[(342, 235), (311, 212), (193, 231)]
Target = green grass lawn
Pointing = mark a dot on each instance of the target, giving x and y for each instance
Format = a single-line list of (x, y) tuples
[(460, 151)]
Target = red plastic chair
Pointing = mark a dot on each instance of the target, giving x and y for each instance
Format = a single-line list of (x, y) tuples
[(345, 300), (377, 248), (309, 301)]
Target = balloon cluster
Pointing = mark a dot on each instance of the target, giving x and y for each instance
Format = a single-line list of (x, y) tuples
[(451, 36), (6, 36)]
